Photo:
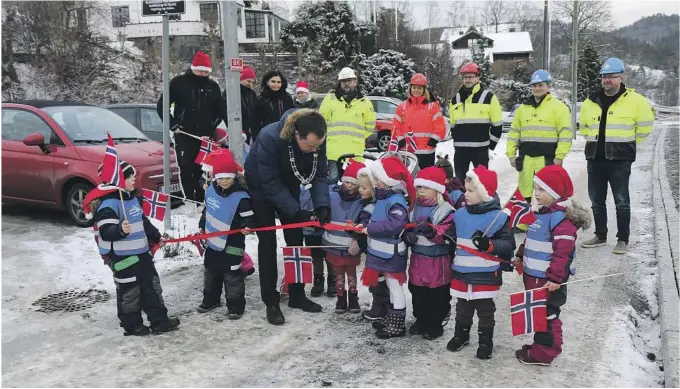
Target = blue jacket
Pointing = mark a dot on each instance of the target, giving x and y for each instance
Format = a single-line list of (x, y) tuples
[(269, 173)]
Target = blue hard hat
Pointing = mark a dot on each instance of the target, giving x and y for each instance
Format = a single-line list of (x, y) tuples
[(539, 76), (612, 66)]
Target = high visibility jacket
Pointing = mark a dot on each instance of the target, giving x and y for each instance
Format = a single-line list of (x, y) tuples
[(421, 120), (135, 242), (538, 246), (477, 121), (541, 130), (629, 120), (349, 124)]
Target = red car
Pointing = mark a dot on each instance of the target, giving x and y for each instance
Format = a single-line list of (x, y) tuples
[(51, 151)]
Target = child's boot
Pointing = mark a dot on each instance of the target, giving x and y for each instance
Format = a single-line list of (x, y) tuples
[(380, 304), (317, 288), (138, 331), (353, 302), (331, 290), (207, 307), (485, 343), (341, 305), (394, 324), (168, 325), (461, 337)]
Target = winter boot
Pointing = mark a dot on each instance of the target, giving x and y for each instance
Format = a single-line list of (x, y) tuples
[(166, 326), (331, 289), (317, 288), (380, 323), (353, 300), (461, 337), (204, 307), (394, 325), (380, 304), (485, 343), (525, 357), (139, 331), (298, 299), (341, 305), (416, 328), (274, 315)]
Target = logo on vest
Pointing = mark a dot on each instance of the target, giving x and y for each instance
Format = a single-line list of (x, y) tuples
[(536, 225), (135, 210), (212, 203)]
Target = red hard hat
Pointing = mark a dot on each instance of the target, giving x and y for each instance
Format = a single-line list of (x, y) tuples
[(469, 67), (419, 79)]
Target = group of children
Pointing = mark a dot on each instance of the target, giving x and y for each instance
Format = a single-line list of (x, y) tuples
[(459, 240)]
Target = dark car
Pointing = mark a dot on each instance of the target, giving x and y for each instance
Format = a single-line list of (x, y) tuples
[(143, 116)]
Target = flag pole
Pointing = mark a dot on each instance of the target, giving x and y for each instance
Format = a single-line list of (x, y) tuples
[(572, 282), (122, 203), (499, 213), (180, 197), (198, 137)]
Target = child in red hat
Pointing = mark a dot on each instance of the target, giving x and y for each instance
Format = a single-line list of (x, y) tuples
[(557, 221), (345, 207), (480, 225), (227, 206), (430, 242), (454, 187)]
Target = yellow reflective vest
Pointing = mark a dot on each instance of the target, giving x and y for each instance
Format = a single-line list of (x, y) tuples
[(349, 124), (540, 130), (477, 120), (628, 121)]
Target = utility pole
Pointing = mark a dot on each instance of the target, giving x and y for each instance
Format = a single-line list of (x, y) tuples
[(232, 79), (574, 66), (165, 53), (396, 23), (546, 37)]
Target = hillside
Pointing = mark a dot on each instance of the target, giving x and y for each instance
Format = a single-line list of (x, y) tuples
[(652, 29)]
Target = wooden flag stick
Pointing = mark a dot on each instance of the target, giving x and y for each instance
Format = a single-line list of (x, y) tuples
[(122, 202), (575, 281), (182, 198), (499, 213), (197, 137)]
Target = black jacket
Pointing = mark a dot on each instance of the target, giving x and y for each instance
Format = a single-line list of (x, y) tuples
[(198, 106), (270, 107), (242, 218), (621, 151), (312, 103), (248, 106)]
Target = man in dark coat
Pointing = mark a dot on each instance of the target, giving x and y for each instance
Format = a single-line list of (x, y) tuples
[(197, 111), (287, 167)]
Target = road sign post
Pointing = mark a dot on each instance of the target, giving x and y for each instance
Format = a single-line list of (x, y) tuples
[(233, 65)]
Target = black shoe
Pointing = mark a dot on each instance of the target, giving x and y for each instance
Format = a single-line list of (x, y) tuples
[(485, 343), (416, 328), (203, 308), (274, 315), (460, 339), (433, 333), (234, 316), (166, 326), (353, 302), (302, 302), (139, 331), (341, 305), (317, 288), (379, 323), (331, 290), (249, 272)]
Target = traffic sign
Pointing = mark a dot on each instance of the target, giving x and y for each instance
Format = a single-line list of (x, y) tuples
[(237, 64), (162, 7)]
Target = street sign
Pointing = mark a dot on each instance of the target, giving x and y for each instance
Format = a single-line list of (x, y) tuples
[(237, 64), (162, 7)]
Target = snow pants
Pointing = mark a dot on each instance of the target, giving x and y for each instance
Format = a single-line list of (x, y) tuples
[(224, 268), (486, 308), (430, 305), (548, 345), (138, 288), (528, 167)]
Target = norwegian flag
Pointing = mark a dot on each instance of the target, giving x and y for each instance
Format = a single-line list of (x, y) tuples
[(411, 145), (519, 210), (529, 312), (297, 265), (154, 204), (111, 171), (206, 148)]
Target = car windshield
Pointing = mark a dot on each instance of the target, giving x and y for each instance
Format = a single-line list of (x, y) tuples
[(88, 124)]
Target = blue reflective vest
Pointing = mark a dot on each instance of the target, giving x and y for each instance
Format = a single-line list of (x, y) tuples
[(219, 213), (455, 195), (466, 225), (341, 211), (538, 247), (386, 247), (135, 242), (436, 214)]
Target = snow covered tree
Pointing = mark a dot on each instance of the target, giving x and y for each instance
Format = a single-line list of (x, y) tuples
[(439, 70), (386, 73), (482, 59), (520, 88), (589, 65)]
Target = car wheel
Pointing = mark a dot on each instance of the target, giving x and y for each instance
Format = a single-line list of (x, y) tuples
[(384, 141), (74, 203)]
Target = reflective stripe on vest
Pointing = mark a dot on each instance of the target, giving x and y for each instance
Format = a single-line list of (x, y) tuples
[(219, 213), (135, 242), (341, 211), (538, 248), (386, 248), (466, 225), (437, 214)]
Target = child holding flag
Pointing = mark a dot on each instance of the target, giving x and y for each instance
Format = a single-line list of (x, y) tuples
[(547, 256), (227, 206), (454, 187), (476, 280)]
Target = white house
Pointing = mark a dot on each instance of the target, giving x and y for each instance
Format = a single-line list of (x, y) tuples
[(125, 21), (501, 46)]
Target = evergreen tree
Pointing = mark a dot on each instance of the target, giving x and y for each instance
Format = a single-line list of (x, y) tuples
[(386, 73), (481, 59), (520, 89), (589, 65)]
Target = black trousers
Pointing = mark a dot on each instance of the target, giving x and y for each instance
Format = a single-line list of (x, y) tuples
[(430, 305), (465, 311), (190, 172), (138, 288), (464, 155), (267, 251), (425, 160), (616, 174), (221, 268)]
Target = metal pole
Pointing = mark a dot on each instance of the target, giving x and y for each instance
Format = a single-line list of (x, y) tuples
[(396, 24), (574, 67), (232, 79), (167, 223), (546, 37)]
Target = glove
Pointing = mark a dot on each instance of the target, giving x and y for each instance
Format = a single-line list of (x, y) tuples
[(432, 142), (410, 238), (481, 241), (507, 266), (354, 248), (302, 216), (323, 215), (402, 143), (427, 230)]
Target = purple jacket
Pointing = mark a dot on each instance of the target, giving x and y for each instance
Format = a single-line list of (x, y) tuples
[(433, 272), (392, 227)]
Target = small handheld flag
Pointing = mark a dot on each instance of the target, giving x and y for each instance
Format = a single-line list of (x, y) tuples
[(529, 312), (297, 265), (519, 210), (154, 204), (206, 148), (111, 171)]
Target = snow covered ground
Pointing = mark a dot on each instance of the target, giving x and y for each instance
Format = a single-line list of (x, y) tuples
[(611, 329)]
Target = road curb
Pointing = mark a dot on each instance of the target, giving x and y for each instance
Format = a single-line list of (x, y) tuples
[(666, 236)]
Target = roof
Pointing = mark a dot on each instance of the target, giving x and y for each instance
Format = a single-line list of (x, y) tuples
[(511, 42), (452, 33), (47, 103)]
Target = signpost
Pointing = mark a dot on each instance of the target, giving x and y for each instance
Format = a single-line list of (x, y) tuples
[(165, 8), (236, 64), (233, 65)]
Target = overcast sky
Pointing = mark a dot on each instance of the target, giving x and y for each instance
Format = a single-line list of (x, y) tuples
[(624, 12)]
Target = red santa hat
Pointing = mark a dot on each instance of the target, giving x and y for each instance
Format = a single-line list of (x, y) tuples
[(95, 194), (207, 163), (433, 178), (392, 172), (221, 136), (248, 73), (302, 86), (224, 165), (555, 180), (485, 182), (201, 62), (352, 171)]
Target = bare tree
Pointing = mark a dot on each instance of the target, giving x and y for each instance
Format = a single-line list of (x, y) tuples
[(593, 16), (456, 13), (496, 12)]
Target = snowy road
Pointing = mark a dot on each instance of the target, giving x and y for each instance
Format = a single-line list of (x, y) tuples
[(611, 326)]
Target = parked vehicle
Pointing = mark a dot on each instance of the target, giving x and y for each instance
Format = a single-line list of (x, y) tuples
[(507, 122), (142, 116), (51, 151)]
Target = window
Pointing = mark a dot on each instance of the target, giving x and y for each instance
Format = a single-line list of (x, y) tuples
[(239, 16), (17, 124), (255, 25), (129, 114), (384, 107), (512, 29), (87, 124), (209, 12), (150, 121), (120, 16)]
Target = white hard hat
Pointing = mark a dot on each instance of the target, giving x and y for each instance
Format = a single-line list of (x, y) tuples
[(346, 73)]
